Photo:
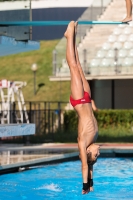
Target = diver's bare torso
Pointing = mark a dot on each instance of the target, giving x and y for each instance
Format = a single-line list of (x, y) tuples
[(87, 124)]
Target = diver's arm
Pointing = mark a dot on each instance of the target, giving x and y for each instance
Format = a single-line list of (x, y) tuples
[(83, 157), (93, 105), (90, 176)]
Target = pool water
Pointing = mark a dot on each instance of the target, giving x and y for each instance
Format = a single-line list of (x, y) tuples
[(113, 180)]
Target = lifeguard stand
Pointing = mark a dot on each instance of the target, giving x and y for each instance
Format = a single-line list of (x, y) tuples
[(13, 114)]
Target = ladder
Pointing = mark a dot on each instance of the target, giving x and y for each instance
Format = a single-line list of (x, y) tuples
[(10, 94)]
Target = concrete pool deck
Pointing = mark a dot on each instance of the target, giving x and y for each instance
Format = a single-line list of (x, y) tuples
[(111, 148), (14, 157)]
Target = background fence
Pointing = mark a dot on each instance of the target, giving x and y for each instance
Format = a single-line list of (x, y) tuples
[(47, 116)]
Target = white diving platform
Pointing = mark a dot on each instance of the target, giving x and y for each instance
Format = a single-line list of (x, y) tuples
[(53, 23), (9, 130)]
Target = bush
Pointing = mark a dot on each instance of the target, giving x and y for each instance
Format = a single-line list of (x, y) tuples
[(114, 126), (105, 119), (70, 121)]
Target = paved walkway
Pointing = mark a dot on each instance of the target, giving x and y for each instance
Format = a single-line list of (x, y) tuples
[(70, 146)]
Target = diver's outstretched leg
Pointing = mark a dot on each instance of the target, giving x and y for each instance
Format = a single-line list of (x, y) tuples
[(77, 91), (85, 82), (129, 11)]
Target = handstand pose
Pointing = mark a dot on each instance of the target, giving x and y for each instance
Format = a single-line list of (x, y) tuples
[(129, 11), (81, 101)]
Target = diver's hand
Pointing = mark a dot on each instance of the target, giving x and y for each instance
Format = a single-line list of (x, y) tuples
[(90, 181), (86, 188), (91, 189), (85, 191)]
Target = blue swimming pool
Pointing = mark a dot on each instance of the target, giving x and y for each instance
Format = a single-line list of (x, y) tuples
[(113, 180)]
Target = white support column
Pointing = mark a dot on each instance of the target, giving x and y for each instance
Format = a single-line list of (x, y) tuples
[(19, 105), (24, 106)]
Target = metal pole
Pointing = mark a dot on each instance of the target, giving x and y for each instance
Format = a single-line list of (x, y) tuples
[(34, 82), (54, 62), (59, 116), (116, 60), (84, 53), (30, 110), (60, 89), (113, 94), (91, 12), (30, 20), (49, 117), (45, 117), (101, 6)]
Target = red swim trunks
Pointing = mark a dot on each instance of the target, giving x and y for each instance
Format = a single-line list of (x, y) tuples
[(85, 99)]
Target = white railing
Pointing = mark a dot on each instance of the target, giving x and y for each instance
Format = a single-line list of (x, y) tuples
[(60, 50)]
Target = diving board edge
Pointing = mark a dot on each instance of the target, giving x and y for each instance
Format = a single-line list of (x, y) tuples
[(53, 23), (9, 130)]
